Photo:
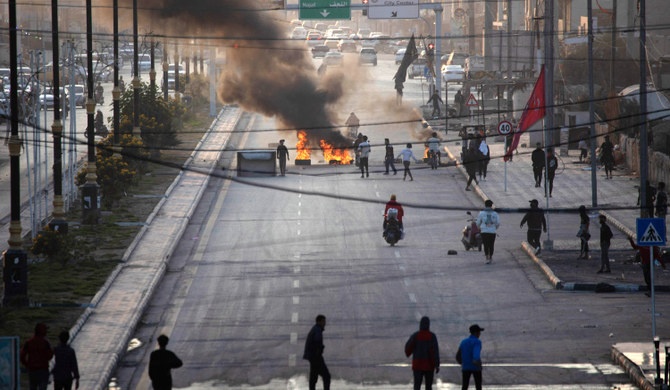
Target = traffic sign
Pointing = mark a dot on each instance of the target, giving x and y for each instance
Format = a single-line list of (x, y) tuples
[(393, 9), (325, 9), (650, 231), (471, 101), (504, 128)]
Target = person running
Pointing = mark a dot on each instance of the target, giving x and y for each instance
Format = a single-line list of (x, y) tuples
[(314, 354), (406, 155), (425, 352), (488, 222), (389, 157), (364, 152), (161, 362), (552, 165), (607, 156), (433, 145), (536, 224), (282, 156), (470, 358), (537, 157)]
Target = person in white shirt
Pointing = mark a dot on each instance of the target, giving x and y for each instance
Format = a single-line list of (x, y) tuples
[(488, 222), (406, 155), (364, 152)]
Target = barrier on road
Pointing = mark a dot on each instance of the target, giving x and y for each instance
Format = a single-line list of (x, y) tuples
[(256, 163)]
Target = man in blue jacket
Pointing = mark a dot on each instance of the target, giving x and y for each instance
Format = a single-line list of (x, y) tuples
[(314, 353), (423, 347), (471, 361)]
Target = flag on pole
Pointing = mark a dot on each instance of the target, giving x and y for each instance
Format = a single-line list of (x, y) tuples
[(411, 54), (533, 112)]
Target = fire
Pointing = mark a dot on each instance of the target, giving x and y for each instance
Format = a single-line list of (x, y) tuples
[(335, 156), (425, 154), (303, 150)]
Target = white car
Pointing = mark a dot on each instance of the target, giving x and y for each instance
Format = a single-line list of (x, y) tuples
[(314, 38), (332, 43), (333, 58), (299, 33), (399, 55), (367, 55), (453, 73), (346, 46)]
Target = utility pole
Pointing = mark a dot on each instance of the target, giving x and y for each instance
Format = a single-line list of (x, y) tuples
[(116, 92), (91, 210), (549, 98), (58, 222), (643, 111), (510, 102), (592, 117), (471, 28), (152, 72), (136, 74), (613, 53), (15, 259)]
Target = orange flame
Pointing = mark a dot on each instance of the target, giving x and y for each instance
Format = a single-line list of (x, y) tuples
[(303, 150), (330, 154), (425, 154)]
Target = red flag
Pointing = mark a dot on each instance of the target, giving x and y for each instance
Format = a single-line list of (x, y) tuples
[(533, 112)]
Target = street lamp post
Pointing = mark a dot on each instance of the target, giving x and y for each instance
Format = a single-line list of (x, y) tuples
[(116, 92), (136, 73), (152, 72), (58, 222), (90, 211), (15, 259), (176, 74)]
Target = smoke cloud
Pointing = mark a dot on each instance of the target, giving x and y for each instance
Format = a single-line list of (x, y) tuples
[(265, 73)]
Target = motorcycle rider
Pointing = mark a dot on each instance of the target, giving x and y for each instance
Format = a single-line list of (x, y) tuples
[(393, 204), (99, 126), (433, 145)]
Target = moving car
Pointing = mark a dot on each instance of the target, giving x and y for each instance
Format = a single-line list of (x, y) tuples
[(367, 56), (319, 51), (314, 38), (299, 33), (332, 43), (417, 67), (399, 56), (333, 58), (453, 73), (346, 46)]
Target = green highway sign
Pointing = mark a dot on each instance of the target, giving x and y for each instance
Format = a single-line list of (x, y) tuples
[(325, 9)]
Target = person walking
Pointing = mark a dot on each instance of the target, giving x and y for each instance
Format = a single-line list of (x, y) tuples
[(537, 157), (552, 165), (389, 157), (488, 222), (66, 369), (353, 124), (583, 233), (357, 142), (406, 155), (35, 356), (645, 262), (536, 225), (470, 353), (661, 201), (583, 150), (459, 100), (364, 152), (470, 161), (436, 99), (161, 362), (605, 237), (607, 156), (314, 353), (282, 156), (484, 159), (425, 352)]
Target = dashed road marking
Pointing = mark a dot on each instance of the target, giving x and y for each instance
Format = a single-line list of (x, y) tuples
[(405, 281), (377, 193), (296, 269), (294, 317), (397, 254), (412, 297), (291, 360), (294, 338), (296, 300), (296, 284)]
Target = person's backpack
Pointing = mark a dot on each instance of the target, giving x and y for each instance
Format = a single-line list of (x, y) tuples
[(392, 213)]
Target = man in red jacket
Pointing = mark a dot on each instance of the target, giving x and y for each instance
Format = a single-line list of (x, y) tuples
[(35, 356), (423, 347), (645, 263), (393, 204)]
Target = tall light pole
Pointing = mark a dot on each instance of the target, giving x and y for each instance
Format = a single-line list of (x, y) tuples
[(592, 116), (58, 222), (15, 259), (643, 112), (152, 72), (91, 210), (136, 74), (116, 92)]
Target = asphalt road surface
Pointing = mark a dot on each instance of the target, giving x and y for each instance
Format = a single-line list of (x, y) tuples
[(258, 264)]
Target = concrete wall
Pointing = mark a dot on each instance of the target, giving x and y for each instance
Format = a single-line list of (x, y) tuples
[(659, 163)]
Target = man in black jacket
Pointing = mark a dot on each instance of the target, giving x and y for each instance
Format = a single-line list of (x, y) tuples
[(605, 237), (538, 164), (161, 362), (314, 353), (536, 224)]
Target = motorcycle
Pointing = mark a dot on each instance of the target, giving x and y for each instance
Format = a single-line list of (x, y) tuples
[(392, 231), (472, 236)]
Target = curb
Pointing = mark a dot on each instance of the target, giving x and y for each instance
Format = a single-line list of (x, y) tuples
[(634, 371), (558, 284)]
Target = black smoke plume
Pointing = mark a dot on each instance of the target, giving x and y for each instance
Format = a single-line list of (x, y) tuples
[(265, 72)]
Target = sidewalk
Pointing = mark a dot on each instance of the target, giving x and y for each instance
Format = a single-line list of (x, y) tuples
[(102, 333), (572, 187)]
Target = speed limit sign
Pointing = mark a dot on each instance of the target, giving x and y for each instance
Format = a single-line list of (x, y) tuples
[(504, 128)]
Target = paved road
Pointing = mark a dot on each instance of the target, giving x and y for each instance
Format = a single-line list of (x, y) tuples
[(256, 264)]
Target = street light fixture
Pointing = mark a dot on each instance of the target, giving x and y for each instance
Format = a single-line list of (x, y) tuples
[(91, 211)]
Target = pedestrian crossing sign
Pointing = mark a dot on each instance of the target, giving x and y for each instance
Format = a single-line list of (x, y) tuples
[(471, 102), (650, 231)]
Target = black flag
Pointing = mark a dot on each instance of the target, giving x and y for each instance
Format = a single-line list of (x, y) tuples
[(411, 54)]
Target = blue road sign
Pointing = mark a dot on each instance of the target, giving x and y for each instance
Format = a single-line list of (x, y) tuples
[(650, 231)]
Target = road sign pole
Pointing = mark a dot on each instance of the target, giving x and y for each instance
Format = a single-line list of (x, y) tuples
[(653, 293), (505, 164)]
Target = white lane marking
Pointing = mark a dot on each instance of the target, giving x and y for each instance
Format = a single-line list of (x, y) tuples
[(291, 360), (299, 212), (405, 282), (412, 297), (294, 317), (300, 195), (296, 300), (377, 193), (299, 204), (294, 338), (397, 254), (298, 231), (417, 315), (402, 268), (296, 269), (296, 284)]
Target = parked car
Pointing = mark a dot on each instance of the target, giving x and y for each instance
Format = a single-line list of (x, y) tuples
[(319, 51), (346, 46), (399, 56), (367, 56), (453, 73), (417, 67), (47, 97), (473, 65), (333, 58), (79, 95)]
